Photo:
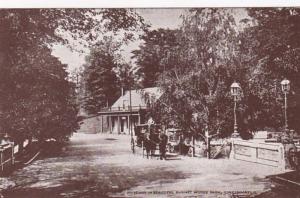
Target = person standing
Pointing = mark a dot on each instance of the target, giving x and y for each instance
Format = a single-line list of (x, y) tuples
[(162, 145)]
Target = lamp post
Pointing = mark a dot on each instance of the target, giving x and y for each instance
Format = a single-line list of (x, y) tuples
[(235, 91), (130, 126), (285, 86), (130, 131)]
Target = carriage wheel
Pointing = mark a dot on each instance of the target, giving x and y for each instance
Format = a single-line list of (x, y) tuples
[(171, 148), (132, 145)]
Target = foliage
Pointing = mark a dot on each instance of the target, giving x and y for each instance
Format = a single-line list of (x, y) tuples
[(100, 78), (126, 76), (105, 74), (275, 58), (195, 87), (213, 52), (153, 53), (37, 100)]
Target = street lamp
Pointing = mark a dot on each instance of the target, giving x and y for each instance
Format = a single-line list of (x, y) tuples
[(130, 123), (285, 86), (235, 92)]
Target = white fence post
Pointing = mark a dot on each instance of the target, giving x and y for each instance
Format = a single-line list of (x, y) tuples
[(1, 157), (12, 154)]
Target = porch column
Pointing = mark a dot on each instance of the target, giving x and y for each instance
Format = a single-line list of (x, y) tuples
[(139, 119), (128, 122), (119, 125), (110, 124)]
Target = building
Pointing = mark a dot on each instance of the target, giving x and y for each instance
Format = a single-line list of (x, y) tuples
[(122, 116)]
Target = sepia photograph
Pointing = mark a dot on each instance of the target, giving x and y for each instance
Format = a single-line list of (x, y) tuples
[(150, 102)]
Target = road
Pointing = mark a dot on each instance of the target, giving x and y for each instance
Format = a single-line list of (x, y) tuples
[(102, 165)]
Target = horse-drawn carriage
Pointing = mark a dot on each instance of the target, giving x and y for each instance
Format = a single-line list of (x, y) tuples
[(147, 137), (174, 136)]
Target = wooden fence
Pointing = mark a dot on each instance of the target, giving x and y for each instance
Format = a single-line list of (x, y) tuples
[(7, 157), (7, 154)]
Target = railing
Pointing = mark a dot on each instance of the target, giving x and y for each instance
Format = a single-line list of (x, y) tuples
[(271, 154), (123, 108), (6, 155)]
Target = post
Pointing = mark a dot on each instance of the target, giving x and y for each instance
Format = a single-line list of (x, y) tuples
[(207, 142), (208, 147), (1, 159), (130, 131), (12, 154), (193, 145), (180, 145), (119, 123), (285, 111), (235, 131), (218, 122), (110, 123), (102, 124), (285, 86), (143, 148), (139, 119), (235, 91), (127, 122)]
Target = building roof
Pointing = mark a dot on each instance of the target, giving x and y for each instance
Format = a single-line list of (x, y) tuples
[(139, 98)]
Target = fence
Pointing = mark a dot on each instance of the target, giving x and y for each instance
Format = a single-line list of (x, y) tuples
[(271, 154), (6, 155)]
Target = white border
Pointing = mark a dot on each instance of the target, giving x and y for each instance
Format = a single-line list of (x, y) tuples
[(145, 3)]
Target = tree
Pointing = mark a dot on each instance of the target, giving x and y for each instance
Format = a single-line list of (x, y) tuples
[(273, 59), (126, 76), (151, 57), (214, 52), (100, 78), (41, 101), (196, 87), (36, 98)]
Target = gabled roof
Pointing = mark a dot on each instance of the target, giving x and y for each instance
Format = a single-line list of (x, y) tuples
[(139, 97)]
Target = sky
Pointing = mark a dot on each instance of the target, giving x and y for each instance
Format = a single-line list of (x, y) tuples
[(158, 18)]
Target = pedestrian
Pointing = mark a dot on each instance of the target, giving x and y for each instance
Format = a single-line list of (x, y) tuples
[(162, 145), (147, 145)]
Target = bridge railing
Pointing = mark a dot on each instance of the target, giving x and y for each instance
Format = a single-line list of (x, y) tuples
[(271, 154)]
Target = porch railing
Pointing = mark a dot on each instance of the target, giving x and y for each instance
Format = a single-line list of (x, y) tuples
[(123, 108)]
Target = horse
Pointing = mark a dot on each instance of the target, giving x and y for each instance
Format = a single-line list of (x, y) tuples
[(149, 146)]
